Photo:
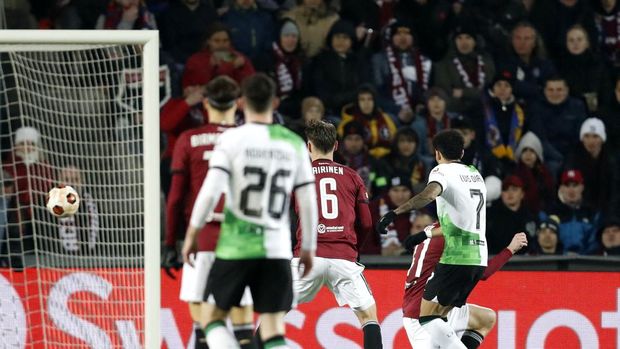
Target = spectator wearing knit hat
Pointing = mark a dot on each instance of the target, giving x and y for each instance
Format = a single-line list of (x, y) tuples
[(32, 176), (538, 181), (404, 160), (401, 73), (379, 126), (598, 167), (464, 71), (283, 61), (339, 69), (578, 222), (311, 109), (353, 152), (547, 238), (390, 243), (508, 216), (315, 18), (609, 237), (556, 120), (504, 119)]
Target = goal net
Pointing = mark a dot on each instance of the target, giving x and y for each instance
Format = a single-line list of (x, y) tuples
[(79, 108)]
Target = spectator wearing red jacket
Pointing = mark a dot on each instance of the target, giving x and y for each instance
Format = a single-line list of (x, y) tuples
[(218, 57)]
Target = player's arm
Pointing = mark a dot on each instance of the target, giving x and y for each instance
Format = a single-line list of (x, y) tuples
[(496, 263), (429, 194), (414, 239), (363, 218)]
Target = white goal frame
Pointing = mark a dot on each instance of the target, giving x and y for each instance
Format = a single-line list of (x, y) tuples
[(150, 109)]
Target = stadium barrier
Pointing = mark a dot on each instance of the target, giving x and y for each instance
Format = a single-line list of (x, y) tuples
[(536, 309)]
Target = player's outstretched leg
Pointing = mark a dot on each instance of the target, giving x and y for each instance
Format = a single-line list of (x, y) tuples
[(370, 326), (481, 321), (272, 330), (218, 335)]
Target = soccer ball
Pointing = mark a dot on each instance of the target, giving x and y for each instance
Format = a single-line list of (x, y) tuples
[(63, 201)]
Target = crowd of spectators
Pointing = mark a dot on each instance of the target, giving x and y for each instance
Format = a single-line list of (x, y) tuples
[(533, 85)]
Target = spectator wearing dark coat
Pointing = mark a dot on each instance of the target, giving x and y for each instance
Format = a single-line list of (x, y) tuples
[(578, 222), (508, 216), (609, 238), (526, 59), (183, 27), (431, 119), (607, 17), (283, 61), (556, 121), (379, 126), (339, 69), (585, 71), (538, 182), (252, 29), (554, 18), (504, 119), (610, 115), (598, 167), (464, 71), (401, 73), (404, 161)]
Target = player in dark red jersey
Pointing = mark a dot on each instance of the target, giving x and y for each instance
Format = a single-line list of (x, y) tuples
[(344, 221), (190, 163), (470, 322)]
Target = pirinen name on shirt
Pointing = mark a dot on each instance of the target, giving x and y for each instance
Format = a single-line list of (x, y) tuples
[(328, 169)]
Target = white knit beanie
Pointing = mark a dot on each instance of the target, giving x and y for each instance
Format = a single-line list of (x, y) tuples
[(27, 134), (530, 140), (595, 126)]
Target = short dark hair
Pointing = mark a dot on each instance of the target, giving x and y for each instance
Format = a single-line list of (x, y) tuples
[(222, 92), (322, 134), (450, 144), (259, 90), (556, 77)]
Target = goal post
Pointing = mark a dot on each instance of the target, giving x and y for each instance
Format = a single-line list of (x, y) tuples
[(122, 172)]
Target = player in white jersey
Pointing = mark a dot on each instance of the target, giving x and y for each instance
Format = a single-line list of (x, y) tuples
[(460, 194), (258, 166)]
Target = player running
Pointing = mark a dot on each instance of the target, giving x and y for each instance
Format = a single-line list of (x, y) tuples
[(258, 166), (460, 193), (470, 322), (344, 221), (190, 163)]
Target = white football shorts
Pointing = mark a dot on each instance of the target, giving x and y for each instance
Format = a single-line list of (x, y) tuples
[(420, 338), (194, 280), (343, 278)]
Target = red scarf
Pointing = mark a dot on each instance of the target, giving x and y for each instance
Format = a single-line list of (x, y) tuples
[(610, 32), (287, 70), (471, 78), (432, 123), (401, 92)]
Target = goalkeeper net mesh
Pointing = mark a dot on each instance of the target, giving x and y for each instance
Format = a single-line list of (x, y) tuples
[(71, 115)]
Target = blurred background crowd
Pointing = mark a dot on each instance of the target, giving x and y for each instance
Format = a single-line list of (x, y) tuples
[(533, 85)]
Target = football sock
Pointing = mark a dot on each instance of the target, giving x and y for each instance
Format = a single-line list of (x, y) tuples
[(257, 340), (244, 334), (472, 339), (218, 336), (372, 335), (442, 334), (200, 340), (276, 342)]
